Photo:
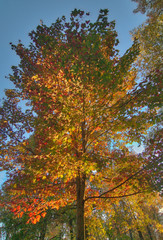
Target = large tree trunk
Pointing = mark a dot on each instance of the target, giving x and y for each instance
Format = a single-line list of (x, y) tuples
[(80, 187)]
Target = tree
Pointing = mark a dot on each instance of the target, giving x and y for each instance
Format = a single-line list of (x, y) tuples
[(55, 224), (84, 106), (16, 228), (149, 35), (153, 152), (134, 218), (149, 63), (148, 6), (137, 215)]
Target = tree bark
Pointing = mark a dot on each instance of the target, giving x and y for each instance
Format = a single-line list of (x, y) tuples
[(149, 232), (80, 187), (43, 230), (130, 232), (71, 229), (140, 235), (86, 232), (116, 225)]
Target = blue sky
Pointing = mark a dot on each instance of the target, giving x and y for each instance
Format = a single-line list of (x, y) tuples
[(19, 17)]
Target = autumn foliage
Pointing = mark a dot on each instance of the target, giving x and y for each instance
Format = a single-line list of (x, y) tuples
[(67, 146)]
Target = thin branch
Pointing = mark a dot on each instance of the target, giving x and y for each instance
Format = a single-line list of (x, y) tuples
[(97, 138), (27, 197), (132, 176), (26, 148), (119, 185), (42, 188), (52, 238), (15, 138), (138, 92), (114, 196)]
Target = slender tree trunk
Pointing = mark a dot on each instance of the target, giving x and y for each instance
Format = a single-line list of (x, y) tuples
[(140, 235), (116, 225), (130, 232), (149, 232), (44, 228), (86, 232), (80, 187), (71, 229), (42, 237)]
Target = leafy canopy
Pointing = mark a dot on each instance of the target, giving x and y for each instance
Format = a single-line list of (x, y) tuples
[(84, 106)]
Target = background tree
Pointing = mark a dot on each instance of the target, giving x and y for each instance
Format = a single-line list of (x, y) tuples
[(148, 6), (16, 228), (85, 105), (149, 62), (153, 152), (55, 225), (149, 35), (136, 217)]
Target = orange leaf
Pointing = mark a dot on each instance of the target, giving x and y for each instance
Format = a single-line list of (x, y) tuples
[(38, 218), (97, 128), (34, 221), (43, 214)]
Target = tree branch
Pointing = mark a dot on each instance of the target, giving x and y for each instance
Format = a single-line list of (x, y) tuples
[(136, 93), (15, 138), (131, 194), (110, 190)]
